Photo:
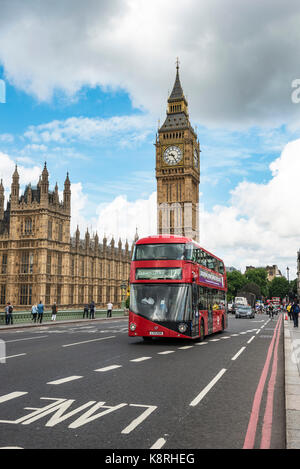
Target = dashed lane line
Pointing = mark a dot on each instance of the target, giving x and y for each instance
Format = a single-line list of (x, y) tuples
[(87, 341), (109, 368), (64, 380), (238, 354), (11, 395)]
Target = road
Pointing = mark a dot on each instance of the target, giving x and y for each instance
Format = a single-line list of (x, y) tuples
[(91, 386)]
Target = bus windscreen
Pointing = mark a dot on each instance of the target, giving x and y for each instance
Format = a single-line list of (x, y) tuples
[(163, 302)]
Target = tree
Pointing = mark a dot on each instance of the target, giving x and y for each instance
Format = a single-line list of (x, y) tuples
[(260, 277), (235, 282), (252, 287), (279, 286)]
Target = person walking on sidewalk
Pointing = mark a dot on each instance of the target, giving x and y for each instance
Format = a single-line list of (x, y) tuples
[(109, 309), (295, 312), (34, 312), (40, 308), (8, 314), (288, 308), (54, 312)]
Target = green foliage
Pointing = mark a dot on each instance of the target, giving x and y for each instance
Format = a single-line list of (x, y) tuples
[(259, 277), (235, 282), (127, 302), (279, 286)]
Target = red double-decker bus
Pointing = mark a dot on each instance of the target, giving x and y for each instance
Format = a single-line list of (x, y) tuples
[(177, 289)]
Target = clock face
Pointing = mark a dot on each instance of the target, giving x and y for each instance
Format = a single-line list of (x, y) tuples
[(195, 158), (172, 155)]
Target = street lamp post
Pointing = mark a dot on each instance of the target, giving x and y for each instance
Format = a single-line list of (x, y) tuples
[(288, 279)]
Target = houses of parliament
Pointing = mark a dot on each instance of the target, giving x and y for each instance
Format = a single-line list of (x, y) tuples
[(40, 260)]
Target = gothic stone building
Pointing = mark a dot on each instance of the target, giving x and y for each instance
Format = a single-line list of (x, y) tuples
[(177, 169), (39, 260)]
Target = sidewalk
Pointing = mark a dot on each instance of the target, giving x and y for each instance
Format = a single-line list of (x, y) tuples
[(57, 323), (292, 383)]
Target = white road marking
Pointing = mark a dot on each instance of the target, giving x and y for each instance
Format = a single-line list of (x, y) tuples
[(11, 395), (201, 343), (214, 340), (185, 347), (250, 340), (141, 359), (87, 341), (12, 356), (108, 368), (234, 335), (26, 338), (207, 388), (139, 419), (65, 380), (158, 444), (238, 354), (166, 352)]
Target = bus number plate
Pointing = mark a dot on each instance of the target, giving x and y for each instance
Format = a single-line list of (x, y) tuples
[(156, 333)]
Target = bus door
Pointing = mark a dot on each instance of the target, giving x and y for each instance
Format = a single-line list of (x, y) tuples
[(195, 311)]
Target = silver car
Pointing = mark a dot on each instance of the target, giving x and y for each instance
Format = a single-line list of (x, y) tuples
[(244, 312)]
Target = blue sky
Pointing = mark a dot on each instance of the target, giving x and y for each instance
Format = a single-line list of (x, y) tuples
[(86, 85)]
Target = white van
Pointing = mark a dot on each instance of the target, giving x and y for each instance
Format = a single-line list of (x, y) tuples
[(240, 300)]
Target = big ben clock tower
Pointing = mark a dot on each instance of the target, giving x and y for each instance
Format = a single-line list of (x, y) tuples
[(177, 169)]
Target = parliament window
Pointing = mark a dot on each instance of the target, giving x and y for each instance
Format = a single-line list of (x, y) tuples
[(26, 266), (4, 264), (25, 294), (2, 294)]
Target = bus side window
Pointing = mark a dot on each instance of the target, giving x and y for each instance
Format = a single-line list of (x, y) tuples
[(221, 268), (202, 259), (202, 295)]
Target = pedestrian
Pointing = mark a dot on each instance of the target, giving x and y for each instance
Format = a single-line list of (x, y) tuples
[(271, 311), (92, 310), (8, 314), (295, 312), (86, 311), (54, 312), (34, 312), (109, 309), (40, 308), (288, 308)]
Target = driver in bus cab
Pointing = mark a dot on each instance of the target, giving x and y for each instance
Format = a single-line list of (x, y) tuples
[(147, 300)]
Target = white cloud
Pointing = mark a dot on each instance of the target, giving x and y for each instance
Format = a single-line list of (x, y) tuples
[(237, 66), (127, 128), (27, 174)]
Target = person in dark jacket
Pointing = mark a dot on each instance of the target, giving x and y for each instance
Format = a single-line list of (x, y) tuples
[(92, 310), (86, 311), (295, 310)]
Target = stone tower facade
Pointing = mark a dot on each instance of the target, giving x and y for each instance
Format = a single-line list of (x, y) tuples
[(39, 260), (177, 169)]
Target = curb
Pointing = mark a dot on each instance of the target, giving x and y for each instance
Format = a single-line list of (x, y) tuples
[(292, 389)]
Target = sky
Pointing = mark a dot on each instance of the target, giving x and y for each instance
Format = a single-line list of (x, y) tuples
[(86, 86)]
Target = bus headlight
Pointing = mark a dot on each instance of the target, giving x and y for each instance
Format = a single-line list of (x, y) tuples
[(182, 328), (132, 326)]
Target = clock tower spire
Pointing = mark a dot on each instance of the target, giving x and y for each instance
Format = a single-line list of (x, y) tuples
[(177, 169)]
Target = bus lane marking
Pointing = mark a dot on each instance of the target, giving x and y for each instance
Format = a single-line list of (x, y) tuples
[(203, 393), (59, 410), (109, 368), (141, 359), (140, 419), (65, 380), (250, 340), (11, 395), (159, 443), (238, 354), (87, 341)]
